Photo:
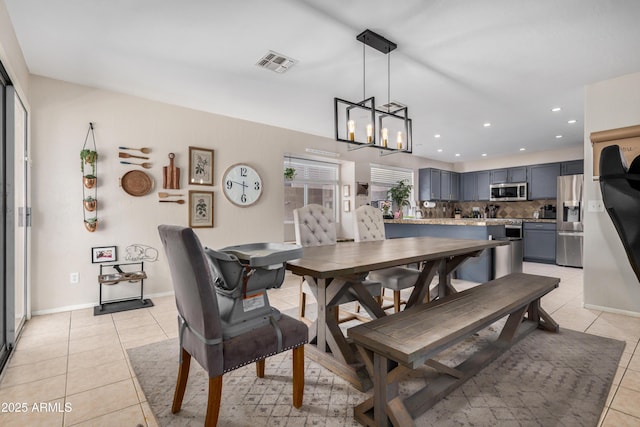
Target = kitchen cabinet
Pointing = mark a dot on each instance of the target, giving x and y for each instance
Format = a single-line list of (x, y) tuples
[(543, 181), (539, 242), (574, 167), (449, 186), (475, 186), (436, 184), (501, 176)]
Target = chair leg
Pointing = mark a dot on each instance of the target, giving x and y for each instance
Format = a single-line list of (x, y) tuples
[(181, 384), (298, 376), (396, 301), (303, 301), (260, 368), (213, 402)]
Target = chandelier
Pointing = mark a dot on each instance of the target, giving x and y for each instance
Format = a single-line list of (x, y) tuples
[(363, 124)]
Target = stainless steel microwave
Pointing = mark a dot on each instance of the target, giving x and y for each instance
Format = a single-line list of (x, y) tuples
[(508, 192)]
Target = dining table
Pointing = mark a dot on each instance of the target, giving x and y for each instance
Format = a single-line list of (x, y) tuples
[(333, 270)]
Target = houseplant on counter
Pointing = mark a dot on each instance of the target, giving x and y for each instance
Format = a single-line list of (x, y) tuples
[(399, 194)]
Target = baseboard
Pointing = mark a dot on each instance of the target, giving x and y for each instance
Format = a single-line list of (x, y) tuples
[(88, 305), (611, 310)]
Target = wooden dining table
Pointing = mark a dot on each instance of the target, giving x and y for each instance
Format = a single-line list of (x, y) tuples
[(333, 270)]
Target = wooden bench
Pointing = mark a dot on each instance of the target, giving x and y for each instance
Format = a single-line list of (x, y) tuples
[(394, 345)]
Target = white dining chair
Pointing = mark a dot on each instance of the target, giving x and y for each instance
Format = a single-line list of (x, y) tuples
[(315, 226), (369, 226)]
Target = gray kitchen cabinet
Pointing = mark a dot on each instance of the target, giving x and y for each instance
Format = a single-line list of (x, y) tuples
[(449, 186), (429, 181), (436, 184), (574, 167), (498, 176), (543, 181), (475, 186), (482, 181), (539, 242), (501, 176)]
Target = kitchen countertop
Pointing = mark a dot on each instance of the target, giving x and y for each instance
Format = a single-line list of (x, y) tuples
[(481, 222)]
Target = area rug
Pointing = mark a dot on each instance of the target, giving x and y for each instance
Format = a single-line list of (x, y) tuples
[(547, 379)]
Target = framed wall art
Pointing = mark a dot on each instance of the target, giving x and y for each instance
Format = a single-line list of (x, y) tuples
[(200, 166), (104, 254), (200, 209)]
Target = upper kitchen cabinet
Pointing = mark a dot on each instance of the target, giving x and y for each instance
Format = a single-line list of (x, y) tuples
[(429, 183), (501, 176), (574, 167), (543, 181), (436, 184), (475, 186), (449, 186)]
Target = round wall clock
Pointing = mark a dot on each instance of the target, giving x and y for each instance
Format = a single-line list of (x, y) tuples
[(242, 185)]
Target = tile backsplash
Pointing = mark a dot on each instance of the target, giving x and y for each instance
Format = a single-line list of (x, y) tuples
[(505, 209)]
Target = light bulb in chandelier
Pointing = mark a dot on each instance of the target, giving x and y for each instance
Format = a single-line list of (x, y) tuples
[(351, 127), (385, 137)]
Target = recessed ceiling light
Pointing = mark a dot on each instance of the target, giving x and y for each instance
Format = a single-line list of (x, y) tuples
[(558, 136), (457, 154), (522, 149), (556, 109), (437, 135), (572, 121), (484, 154), (439, 150), (487, 124)]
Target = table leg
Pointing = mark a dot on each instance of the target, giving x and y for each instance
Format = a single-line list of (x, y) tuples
[(321, 323), (421, 288)]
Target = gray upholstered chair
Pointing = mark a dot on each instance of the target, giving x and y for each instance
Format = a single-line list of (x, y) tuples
[(315, 226), (369, 226), (201, 334)]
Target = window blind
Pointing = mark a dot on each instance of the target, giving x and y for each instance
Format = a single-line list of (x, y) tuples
[(388, 176), (311, 171)]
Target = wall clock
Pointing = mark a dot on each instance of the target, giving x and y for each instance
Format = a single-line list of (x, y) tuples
[(242, 185)]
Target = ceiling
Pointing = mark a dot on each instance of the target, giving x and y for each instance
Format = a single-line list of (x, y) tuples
[(459, 64)]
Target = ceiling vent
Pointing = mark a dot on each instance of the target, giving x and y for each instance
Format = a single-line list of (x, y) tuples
[(275, 61)]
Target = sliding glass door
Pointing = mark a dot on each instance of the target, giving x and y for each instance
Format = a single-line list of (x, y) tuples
[(14, 215)]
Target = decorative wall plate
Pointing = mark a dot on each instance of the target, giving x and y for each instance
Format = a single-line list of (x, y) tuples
[(136, 183)]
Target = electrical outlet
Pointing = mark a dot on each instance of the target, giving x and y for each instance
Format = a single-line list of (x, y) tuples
[(596, 206), (74, 277)]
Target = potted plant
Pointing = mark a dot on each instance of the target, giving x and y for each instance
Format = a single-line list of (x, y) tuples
[(386, 209), (289, 173), (399, 194), (88, 157), (89, 181), (90, 203), (91, 224)]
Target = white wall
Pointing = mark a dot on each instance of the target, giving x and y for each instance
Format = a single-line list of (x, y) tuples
[(61, 113), (609, 281), (11, 55)]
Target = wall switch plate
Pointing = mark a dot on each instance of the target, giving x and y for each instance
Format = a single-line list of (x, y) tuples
[(74, 277), (596, 206)]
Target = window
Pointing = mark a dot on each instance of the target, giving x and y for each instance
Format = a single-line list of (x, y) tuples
[(314, 182), (385, 177)]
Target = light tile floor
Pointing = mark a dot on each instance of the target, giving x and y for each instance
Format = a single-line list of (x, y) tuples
[(73, 366)]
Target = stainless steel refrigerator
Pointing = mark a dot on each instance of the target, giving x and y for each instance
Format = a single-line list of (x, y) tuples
[(569, 215)]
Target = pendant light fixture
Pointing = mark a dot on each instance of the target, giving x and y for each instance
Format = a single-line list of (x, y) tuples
[(362, 124)]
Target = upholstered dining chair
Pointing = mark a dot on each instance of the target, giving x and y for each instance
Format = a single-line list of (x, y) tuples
[(369, 226), (315, 226), (201, 332)]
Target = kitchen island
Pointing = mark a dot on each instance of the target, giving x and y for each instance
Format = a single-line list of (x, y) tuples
[(478, 269)]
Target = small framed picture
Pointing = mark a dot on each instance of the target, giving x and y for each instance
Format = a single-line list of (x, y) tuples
[(346, 205), (346, 190), (200, 166), (200, 209), (103, 254)]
